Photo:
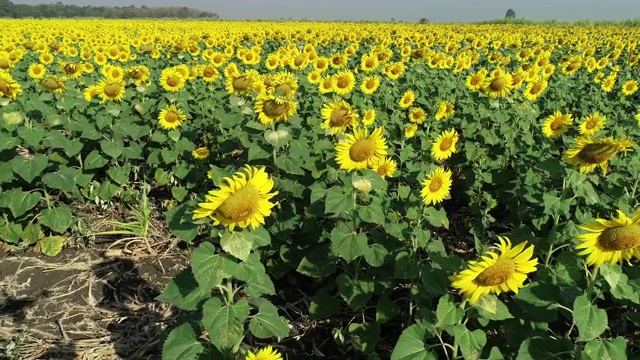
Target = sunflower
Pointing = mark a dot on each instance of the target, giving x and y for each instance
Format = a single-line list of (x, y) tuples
[(111, 89), (325, 85), (629, 87), (46, 58), (9, 88), (535, 89), (172, 80), (592, 124), (271, 108), (369, 63), (385, 167), (556, 124), (608, 83), (343, 82), (436, 187), (54, 83), (417, 115), (476, 80), (407, 99), (611, 241), (90, 92), (140, 75), (370, 84), (265, 354), (445, 145), (314, 77), (337, 116), (587, 154), (498, 85), (241, 83), (410, 131), (496, 273), (209, 73), (37, 71), (171, 117), (339, 61), (361, 150), (369, 117), (200, 153), (445, 110), (244, 201), (284, 84)]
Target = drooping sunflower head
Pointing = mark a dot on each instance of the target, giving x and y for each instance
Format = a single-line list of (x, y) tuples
[(244, 201), (587, 153), (436, 187), (271, 108), (611, 241), (338, 116), (557, 124), (54, 83), (171, 117), (361, 149), (496, 272)]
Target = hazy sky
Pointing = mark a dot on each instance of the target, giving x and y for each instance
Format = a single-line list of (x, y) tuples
[(408, 10)]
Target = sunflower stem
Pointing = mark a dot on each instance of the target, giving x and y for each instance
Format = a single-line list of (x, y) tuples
[(591, 281)]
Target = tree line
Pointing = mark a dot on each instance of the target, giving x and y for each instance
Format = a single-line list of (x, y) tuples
[(60, 10)]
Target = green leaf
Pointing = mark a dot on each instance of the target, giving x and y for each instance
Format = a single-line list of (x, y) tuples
[(120, 174), (162, 177), (538, 302), (184, 292), (255, 275), (223, 324), (240, 243), (538, 348), (365, 336), (490, 307), (619, 283), (590, 320), (356, 292), (31, 233), (112, 148), (554, 205), (179, 192), (586, 191), (347, 244), (52, 245), (386, 309), (375, 255), (209, 268), (182, 343), (95, 161), (337, 201), (63, 179), (471, 342), (18, 201), (267, 323), (32, 136), (323, 305), (437, 217), (290, 165), (615, 349), (29, 169), (11, 232), (180, 223), (372, 213), (447, 312), (58, 219), (411, 345), (318, 262)]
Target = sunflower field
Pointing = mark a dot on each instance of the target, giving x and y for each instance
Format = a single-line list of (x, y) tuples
[(421, 191)]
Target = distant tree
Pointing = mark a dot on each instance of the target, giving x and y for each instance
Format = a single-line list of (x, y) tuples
[(424, 21), (6, 9), (510, 14)]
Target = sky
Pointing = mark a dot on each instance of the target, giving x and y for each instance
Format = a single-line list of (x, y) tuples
[(405, 10)]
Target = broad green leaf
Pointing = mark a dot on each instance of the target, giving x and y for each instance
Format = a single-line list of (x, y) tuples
[(437, 218), (538, 348), (63, 179), (365, 336), (267, 323), (386, 309), (31, 233), (183, 343), (112, 148), (590, 320), (323, 305), (253, 273), (18, 201), (180, 223), (375, 255), (32, 136), (337, 202), (318, 263), (240, 243), (222, 323), (448, 312), (411, 345), (615, 349), (538, 301), (619, 283), (11, 232), (52, 245), (347, 244), (58, 219), (471, 342), (554, 205), (95, 161), (490, 307), (29, 169), (209, 268), (119, 174), (356, 292), (184, 292)]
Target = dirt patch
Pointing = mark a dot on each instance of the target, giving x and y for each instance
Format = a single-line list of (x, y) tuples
[(86, 304)]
